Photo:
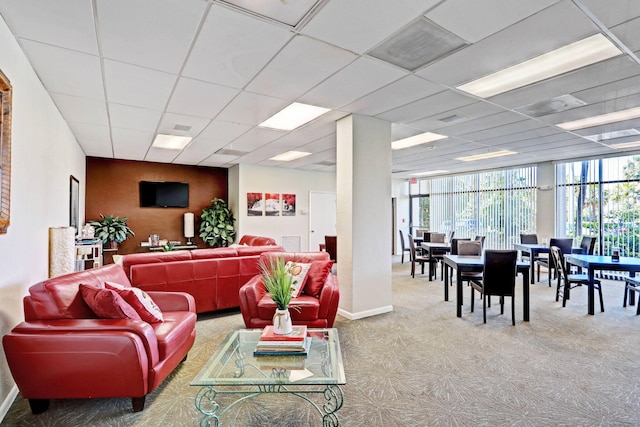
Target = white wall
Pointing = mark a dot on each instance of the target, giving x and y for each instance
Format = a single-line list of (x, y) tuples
[(245, 179), (400, 190), (44, 155)]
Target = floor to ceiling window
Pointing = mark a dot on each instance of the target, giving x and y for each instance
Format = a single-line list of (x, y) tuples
[(601, 197), (497, 204)]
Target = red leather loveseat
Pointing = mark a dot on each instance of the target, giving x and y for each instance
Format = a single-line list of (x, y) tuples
[(317, 305), (64, 351), (212, 276)]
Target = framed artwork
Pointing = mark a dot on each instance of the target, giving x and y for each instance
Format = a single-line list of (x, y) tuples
[(255, 204), (288, 205), (272, 204), (74, 203)]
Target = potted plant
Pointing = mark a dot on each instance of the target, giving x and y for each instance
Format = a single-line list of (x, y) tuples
[(112, 230), (216, 226), (278, 282)]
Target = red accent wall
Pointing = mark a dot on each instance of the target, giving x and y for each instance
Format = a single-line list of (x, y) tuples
[(112, 188)]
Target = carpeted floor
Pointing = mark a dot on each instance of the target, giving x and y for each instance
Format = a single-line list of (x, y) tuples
[(420, 365)]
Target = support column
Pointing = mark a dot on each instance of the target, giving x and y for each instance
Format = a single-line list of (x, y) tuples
[(363, 195), (545, 202)]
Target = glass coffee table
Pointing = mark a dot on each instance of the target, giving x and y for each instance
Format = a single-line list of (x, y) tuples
[(233, 369)]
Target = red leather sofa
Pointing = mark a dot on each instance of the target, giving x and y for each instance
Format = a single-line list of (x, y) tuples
[(314, 311), (63, 351), (212, 276)]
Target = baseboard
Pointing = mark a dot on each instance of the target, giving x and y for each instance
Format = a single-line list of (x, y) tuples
[(6, 405), (363, 314)]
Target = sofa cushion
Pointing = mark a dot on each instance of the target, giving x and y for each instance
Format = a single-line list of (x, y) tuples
[(298, 272), (139, 300), (175, 329), (257, 241), (308, 308), (106, 303), (317, 276), (213, 253)]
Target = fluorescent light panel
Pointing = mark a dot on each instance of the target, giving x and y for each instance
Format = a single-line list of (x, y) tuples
[(486, 155), (171, 142), (626, 145), (289, 156), (293, 116), (423, 138), (567, 58), (427, 173), (603, 119), (613, 135)]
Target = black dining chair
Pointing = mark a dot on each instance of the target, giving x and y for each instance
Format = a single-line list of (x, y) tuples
[(632, 284), (454, 251), (566, 281), (480, 239), (331, 246), (404, 248), (469, 248), (498, 278), (436, 255), (415, 257), (565, 245)]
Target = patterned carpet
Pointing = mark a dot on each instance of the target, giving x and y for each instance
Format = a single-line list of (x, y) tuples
[(420, 365)]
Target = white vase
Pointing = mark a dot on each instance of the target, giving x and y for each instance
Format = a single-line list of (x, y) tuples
[(282, 324)]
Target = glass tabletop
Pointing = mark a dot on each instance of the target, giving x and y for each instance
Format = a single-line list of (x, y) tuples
[(234, 363)]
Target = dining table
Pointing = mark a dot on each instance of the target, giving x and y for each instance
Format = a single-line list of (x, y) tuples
[(431, 250), (532, 250), (593, 263), (475, 264)]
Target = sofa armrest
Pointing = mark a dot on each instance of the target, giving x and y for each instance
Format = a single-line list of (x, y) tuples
[(329, 299), (173, 301), (250, 293)]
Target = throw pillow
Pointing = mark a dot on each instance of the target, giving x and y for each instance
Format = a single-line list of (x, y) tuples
[(317, 276), (139, 300), (107, 304), (298, 272)]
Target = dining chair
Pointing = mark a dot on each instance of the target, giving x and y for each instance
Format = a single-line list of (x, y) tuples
[(565, 245), (454, 251), (331, 246), (469, 248), (450, 236), (415, 257), (528, 239), (588, 245), (436, 255), (498, 278), (632, 284), (566, 282), (404, 249), (480, 239)]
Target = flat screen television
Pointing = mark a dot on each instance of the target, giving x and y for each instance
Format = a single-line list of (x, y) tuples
[(155, 194)]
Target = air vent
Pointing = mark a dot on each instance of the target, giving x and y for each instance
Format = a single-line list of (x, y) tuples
[(325, 163), (451, 118), (417, 45), (184, 128), (236, 153), (550, 106)]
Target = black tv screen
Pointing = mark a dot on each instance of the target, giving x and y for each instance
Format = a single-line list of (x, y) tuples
[(164, 194)]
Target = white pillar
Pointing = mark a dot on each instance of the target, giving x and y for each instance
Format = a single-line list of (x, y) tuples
[(363, 195), (545, 202)]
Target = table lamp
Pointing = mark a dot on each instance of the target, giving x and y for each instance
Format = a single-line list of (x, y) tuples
[(188, 227)]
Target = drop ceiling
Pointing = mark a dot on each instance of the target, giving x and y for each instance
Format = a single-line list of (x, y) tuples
[(121, 71)]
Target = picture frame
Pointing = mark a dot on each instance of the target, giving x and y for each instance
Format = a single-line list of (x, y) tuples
[(74, 203)]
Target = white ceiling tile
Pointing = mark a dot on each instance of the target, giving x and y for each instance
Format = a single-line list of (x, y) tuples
[(220, 133), (136, 86), (613, 12), (131, 144), (136, 31), (628, 33), (64, 23), (233, 47), (82, 110), (550, 29), (254, 139), (74, 73), (610, 91), (476, 125), (161, 155), (94, 139), (401, 92), (201, 99), (426, 107), (135, 118), (169, 122), (352, 82), (301, 65), (463, 115), (474, 20), (359, 25), (251, 108), (218, 160)]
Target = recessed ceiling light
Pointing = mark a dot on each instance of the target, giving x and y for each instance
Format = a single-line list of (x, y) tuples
[(289, 156), (171, 142), (613, 135), (486, 155), (562, 60), (422, 138), (603, 119), (427, 173), (626, 145), (293, 116)]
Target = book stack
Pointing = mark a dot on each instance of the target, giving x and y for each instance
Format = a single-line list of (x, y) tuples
[(296, 343)]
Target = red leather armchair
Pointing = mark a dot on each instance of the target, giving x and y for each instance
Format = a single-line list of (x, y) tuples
[(250, 240), (316, 312), (63, 351)]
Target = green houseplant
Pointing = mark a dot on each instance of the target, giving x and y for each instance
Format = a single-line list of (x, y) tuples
[(279, 284), (216, 224), (112, 230)]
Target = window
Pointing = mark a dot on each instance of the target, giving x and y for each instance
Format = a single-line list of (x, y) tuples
[(5, 152)]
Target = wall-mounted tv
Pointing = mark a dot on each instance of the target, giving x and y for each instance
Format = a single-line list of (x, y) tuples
[(155, 194)]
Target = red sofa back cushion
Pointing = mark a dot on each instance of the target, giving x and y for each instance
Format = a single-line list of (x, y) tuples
[(257, 241)]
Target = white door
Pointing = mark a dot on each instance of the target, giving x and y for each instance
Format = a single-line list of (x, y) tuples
[(322, 218)]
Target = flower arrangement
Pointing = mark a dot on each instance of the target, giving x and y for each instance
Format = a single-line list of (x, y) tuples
[(277, 281)]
